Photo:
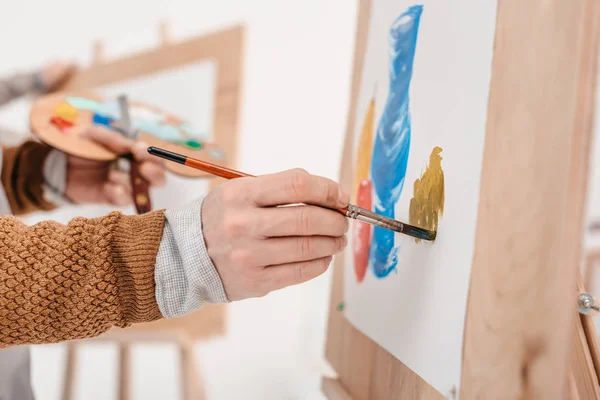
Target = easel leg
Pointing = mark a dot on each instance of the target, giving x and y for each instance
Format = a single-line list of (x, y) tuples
[(124, 352), (190, 377), (334, 390), (71, 364), (573, 392)]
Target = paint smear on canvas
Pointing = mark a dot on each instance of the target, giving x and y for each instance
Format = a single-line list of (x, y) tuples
[(361, 232), (365, 147), (362, 190), (427, 205), (392, 140)]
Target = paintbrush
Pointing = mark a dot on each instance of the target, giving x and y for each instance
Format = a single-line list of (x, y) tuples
[(351, 211)]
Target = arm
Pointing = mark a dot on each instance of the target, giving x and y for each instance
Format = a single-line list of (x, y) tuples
[(60, 282), (19, 85), (48, 79), (105, 268)]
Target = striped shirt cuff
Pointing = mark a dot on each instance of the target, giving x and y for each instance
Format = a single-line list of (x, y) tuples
[(185, 276)]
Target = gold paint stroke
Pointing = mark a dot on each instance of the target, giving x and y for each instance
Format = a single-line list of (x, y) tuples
[(365, 148), (427, 205)]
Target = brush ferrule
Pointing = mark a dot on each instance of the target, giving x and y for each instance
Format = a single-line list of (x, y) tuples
[(372, 218)]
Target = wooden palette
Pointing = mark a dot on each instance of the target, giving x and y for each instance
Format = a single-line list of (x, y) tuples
[(73, 142)]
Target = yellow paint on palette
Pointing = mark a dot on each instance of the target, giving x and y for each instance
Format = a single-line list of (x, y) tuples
[(66, 112), (365, 148), (427, 205)]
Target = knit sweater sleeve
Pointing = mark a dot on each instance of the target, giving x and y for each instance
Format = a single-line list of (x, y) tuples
[(61, 282)]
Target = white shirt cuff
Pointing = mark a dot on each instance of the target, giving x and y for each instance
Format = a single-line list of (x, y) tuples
[(185, 276)]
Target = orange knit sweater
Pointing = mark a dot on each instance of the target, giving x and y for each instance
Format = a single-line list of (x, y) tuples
[(60, 282)]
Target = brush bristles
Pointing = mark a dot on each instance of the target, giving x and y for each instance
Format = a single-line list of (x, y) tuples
[(370, 217), (418, 233)]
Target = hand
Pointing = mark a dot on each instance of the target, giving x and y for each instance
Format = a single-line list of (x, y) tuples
[(258, 247), (95, 182), (56, 74)]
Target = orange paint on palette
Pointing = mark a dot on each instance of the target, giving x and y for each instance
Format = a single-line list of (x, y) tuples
[(365, 148), (66, 111), (361, 232)]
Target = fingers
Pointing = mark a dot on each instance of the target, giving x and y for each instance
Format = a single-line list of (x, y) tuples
[(150, 168), (119, 178), (117, 143), (294, 249), (140, 153), (56, 74), (297, 186), (153, 173), (257, 246), (301, 221), (281, 276), (108, 138), (117, 194)]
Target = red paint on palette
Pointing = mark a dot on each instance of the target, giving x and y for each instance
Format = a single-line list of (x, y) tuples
[(361, 232), (61, 123)]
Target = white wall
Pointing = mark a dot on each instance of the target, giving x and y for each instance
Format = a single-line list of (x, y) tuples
[(296, 87), (297, 67)]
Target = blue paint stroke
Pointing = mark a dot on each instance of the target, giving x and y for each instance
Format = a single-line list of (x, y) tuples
[(392, 140)]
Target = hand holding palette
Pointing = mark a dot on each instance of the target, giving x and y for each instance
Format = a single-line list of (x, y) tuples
[(60, 120)]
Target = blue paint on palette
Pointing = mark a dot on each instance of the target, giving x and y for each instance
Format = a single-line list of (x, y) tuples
[(103, 120), (392, 140)]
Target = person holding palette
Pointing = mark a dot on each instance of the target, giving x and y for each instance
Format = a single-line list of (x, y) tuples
[(62, 282)]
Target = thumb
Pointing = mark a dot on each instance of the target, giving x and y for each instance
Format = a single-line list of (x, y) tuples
[(111, 140)]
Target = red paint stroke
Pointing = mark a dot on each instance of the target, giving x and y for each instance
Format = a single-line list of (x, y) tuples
[(61, 123), (361, 232)]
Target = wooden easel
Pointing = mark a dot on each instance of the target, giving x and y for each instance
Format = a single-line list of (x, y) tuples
[(225, 49), (524, 281)]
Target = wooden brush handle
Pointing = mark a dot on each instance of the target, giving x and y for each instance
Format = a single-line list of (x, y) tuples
[(140, 189)]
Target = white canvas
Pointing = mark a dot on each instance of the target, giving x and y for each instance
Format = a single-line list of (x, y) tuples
[(417, 312)]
